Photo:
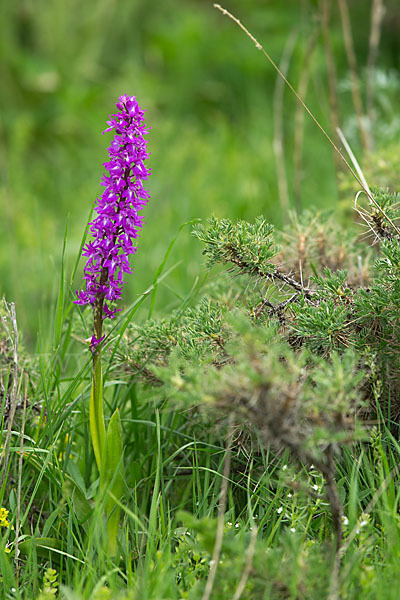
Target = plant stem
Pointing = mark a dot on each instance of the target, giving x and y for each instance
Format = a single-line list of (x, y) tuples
[(96, 414)]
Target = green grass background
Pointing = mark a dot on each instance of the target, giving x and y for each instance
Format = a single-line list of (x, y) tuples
[(209, 99)]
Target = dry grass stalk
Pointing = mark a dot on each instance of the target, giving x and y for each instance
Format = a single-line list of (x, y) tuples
[(19, 485), (12, 336), (325, 13), (353, 159), (299, 120), (248, 565), (355, 81), (278, 126), (317, 123), (377, 13), (221, 515)]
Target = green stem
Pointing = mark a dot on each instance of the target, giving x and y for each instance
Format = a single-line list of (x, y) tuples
[(112, 479), (107, 446), (96, 414)]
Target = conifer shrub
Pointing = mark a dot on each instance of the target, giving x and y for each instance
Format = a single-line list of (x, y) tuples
[(296, 338)]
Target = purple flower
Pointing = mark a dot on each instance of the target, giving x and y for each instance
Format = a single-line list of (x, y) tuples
[(94, 342), (117, 221)]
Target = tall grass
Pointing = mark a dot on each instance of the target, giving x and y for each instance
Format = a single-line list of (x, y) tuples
[(173, 480)]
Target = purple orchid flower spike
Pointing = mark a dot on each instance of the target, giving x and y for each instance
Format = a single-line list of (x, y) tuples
[(117, 222), (113, 231)]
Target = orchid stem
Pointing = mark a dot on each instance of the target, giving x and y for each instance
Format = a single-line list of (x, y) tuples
[(96, 412)]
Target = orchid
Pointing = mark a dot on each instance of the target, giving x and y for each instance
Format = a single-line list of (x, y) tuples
[(113, 232), (117, 222)]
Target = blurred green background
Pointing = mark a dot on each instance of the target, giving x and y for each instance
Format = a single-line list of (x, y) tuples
[(209, 96)]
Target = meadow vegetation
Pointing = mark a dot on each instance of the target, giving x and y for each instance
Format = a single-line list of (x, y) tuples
[(254, 364)]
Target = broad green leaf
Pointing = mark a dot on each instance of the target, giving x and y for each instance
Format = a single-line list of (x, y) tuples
[(43, 546), (112, 479), (96, 415)]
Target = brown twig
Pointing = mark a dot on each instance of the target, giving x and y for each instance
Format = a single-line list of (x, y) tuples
[(332, 143), (292, 283), (337, 518), (142, 370), (247, 268), (273, 308), (333, 496)]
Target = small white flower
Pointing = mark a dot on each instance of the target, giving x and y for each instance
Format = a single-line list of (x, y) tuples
[(284, 467), (290, 495), (293, 529), (345, 520), (279, 510), (236, 525), (363, 523), (315, 487)]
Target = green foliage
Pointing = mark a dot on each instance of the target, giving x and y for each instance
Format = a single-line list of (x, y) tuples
[(299, 371), (298, 355), (315, 365), (248, 247), (96, 414), (50, 585), (197, 331), (291, 364), (292, 397), (112, 478)]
